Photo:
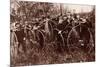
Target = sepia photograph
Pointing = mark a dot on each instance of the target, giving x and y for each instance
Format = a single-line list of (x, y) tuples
[(43, 33)]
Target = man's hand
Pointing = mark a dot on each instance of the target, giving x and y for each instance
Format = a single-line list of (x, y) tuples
[(59, 32), (24, 38), (35, 28)]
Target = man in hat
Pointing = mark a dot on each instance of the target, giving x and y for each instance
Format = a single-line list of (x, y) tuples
[(20, 36)]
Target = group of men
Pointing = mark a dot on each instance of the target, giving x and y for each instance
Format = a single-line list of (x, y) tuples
[(22, 28)]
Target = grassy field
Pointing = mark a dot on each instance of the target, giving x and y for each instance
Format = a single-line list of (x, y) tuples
[(51, 54)]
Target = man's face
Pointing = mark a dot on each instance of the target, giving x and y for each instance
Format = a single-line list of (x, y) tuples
[(78, 16), (64, 18), (69, 16), (30, 27), (18, 26)]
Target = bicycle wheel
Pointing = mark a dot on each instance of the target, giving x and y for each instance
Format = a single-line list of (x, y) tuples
[(33, 36), (49, 31), (59, 37), (13, 45), (77, 38), (72, 39), (40, 38)]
